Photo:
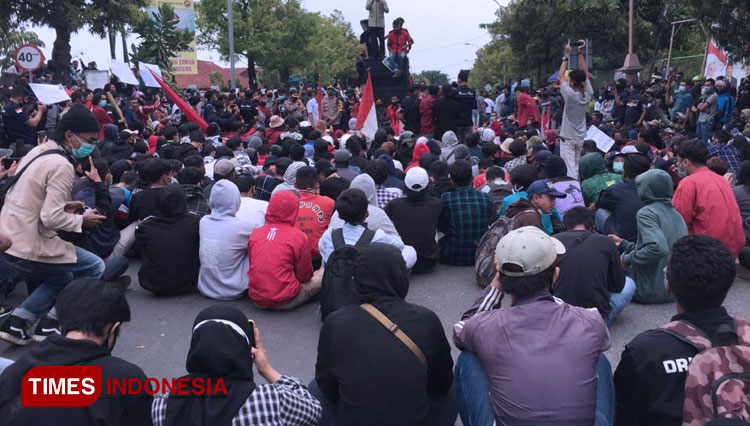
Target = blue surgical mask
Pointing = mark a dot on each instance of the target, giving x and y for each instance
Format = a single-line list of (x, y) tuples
[(84, 150), (102, 103), (681, 88), (618, 166)]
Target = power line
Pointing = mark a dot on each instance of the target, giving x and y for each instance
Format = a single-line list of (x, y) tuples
[(428, 49)]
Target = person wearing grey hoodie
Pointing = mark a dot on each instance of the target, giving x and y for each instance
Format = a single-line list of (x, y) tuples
[(223, 246), (659, 227), (376, 218), (448, 145)]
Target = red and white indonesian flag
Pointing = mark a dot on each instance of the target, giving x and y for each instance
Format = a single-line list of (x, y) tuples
[(716, 62), (367, 119)]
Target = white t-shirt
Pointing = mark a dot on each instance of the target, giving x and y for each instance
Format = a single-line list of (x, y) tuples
[(252, 211)]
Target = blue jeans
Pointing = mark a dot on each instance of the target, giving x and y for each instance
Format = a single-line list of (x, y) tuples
[(397, 61), (475, 404), (55, 275), (704, 130), (443, 410), (618, 301), (601, 217), (115, 267)]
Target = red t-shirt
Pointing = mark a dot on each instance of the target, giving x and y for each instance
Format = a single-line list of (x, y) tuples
[(314, 215), (397, 42)]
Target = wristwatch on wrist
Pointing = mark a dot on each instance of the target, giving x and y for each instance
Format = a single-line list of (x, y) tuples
[(565, 58)]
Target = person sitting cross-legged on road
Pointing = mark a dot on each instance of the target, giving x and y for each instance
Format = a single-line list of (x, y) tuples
[(223, 245), (367, 375), (465, 217), (650, 379), (518, 378), (224, 346), (353, 209), (281, 271), (591, 274)]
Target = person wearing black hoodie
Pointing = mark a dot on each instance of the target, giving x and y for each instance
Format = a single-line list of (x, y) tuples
[(225, 346), (362, 368), (116, 146), (416, 218), (91, 313), (169, 243)]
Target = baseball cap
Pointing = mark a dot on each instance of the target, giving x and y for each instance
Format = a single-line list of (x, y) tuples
[(505, 146), (544, 186), (630, 149), (529, 248), (342, 155), (417, 179), (223, 167)]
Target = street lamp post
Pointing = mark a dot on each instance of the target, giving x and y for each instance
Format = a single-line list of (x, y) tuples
[(632, 65), (233, 85)]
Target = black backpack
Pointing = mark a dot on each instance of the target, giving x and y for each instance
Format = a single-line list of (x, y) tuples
[(338, 277)]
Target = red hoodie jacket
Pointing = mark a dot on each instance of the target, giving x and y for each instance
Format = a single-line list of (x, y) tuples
[(280, 258), (419, 150)]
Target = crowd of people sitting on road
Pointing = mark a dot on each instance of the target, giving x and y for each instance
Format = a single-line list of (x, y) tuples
[(289, 208)]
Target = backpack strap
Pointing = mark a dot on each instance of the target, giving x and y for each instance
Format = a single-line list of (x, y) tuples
[(365, 238), (337, 235), (393, 328), (688, 333), (17, 176)]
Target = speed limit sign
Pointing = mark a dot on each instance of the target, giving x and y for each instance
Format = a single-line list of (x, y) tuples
[(29, 57)]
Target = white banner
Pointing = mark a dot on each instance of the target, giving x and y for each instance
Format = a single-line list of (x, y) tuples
[(603, 142), (122, 71), (146, 76), (49, 94), (96, 79)]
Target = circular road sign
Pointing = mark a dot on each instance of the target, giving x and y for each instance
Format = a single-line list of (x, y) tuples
[(29, 57)]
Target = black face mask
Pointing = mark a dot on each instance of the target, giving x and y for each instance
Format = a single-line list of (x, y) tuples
[(105, 343)]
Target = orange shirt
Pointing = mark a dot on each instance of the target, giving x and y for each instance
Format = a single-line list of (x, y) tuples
[(314, 215)]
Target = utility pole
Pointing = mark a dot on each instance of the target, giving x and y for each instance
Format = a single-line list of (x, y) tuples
[(231, 44), (632, 65)]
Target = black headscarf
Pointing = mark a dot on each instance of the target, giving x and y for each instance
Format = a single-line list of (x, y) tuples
[(217, 350), (379, 274)]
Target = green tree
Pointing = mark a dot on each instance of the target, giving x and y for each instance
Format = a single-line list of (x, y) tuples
[(495, 63), (726, 21), (432, 77), (67, 17), (10, 42), (161, 38), (334, 50)]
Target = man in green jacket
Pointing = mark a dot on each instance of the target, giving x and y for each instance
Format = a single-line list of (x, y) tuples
[(659, 226), (595, 177)]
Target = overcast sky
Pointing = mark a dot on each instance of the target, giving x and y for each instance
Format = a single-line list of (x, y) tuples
[(440, 29)]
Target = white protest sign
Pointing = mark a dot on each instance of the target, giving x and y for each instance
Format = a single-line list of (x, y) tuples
[(603, 142), (122, 71), (96, 79), (49, 94), (149, 79)]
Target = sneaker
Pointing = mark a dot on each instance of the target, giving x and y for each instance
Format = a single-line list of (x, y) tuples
[(5, 310), (122, 282), (13, 330), (46, 327)]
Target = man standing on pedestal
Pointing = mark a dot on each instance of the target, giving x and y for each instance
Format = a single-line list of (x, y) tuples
[(378, 9)]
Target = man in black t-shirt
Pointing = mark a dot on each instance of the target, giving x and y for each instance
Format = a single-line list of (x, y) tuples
[(18, 127), (467, 103), (591, 275), (634, 108), (366, 40)]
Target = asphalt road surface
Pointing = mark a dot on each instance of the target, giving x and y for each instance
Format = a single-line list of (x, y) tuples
[(158, 337)]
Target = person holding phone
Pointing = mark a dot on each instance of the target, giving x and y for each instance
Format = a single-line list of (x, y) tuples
[(225, 345), (577, 92), (36, 208)]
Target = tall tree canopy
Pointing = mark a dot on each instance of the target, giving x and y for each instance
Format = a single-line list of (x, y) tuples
[(161, 38)]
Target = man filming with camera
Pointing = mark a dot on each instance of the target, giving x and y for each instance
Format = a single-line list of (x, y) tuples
[(577, 91)]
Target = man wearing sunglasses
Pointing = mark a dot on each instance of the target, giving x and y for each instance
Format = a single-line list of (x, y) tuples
[(36, 208)]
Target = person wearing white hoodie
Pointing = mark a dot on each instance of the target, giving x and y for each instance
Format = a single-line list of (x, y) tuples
[(223, 245), (448, 146)]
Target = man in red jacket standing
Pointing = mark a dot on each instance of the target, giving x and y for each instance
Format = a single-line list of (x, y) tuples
[(427, 118), (705, 200), (281, 272)]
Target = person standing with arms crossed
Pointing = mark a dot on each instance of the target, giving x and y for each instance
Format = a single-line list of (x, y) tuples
[(577, 91), (378, 9)]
